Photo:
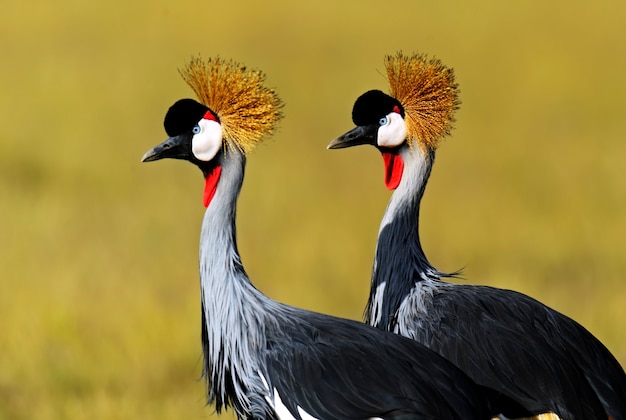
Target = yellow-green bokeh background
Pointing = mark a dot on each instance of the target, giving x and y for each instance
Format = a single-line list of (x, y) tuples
[(99, 303)]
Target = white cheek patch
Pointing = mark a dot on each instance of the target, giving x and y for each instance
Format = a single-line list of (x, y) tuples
[(208, 141), (393, 133)]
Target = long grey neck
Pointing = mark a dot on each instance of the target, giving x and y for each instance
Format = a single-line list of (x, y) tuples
[(399, 260), (233, 310)]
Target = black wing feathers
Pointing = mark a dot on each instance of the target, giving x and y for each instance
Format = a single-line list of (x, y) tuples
[(343, 369), (517, 345)]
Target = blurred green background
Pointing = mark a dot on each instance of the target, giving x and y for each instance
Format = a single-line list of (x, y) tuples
[(99, 302)]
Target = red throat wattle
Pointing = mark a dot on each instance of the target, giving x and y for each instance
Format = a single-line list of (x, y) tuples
[(210, 185), (394, 165)]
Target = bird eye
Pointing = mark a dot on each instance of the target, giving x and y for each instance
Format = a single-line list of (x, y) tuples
[(195, 129), (383, 121)]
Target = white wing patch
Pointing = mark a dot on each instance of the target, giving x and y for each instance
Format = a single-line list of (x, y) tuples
[(305, 415), (280, 408), (377, 304)]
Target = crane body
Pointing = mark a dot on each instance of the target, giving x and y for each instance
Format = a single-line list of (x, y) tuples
[(502, 339)]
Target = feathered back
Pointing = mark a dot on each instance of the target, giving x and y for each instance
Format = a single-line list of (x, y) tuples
[(247, 109), (427, 91)]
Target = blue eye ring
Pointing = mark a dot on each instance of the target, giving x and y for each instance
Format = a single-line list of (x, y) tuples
[(383, 121), (196, 129)]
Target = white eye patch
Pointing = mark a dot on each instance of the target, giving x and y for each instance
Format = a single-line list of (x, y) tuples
[(392, 130), (207, 139)]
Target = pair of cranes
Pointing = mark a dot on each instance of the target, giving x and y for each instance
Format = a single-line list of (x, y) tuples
[(433, 349)]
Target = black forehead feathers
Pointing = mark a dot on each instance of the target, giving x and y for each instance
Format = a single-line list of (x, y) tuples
[(183, 116), (372, 106)]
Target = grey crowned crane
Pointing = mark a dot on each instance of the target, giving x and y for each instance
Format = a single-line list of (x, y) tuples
[(502, 339), (264, 359)]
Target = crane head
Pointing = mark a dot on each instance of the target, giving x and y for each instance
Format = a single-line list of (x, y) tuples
[(379, 121), (194, 131), (236, 111), (418, 111), (195, 135)]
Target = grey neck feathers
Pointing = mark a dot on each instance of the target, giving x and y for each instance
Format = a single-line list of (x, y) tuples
[(400, 261), (234, 312)]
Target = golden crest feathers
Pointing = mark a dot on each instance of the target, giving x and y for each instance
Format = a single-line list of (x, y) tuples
[(248, 110), (427, 91)]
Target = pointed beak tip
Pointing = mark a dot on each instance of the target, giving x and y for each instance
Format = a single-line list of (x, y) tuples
[(147, 156), (337, 143)]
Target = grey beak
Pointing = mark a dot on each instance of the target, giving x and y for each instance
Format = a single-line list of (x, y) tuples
[(362, 134)]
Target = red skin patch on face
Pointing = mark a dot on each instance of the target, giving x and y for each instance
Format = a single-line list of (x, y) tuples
[(210, 116), (210, 185), (394, 166)]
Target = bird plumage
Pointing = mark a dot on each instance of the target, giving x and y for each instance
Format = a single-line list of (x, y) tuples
[(268, 360), (248, 110), (502, 339)]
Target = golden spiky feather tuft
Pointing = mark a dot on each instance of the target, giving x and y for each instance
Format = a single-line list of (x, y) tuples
[(248, 110), (427, 91)]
